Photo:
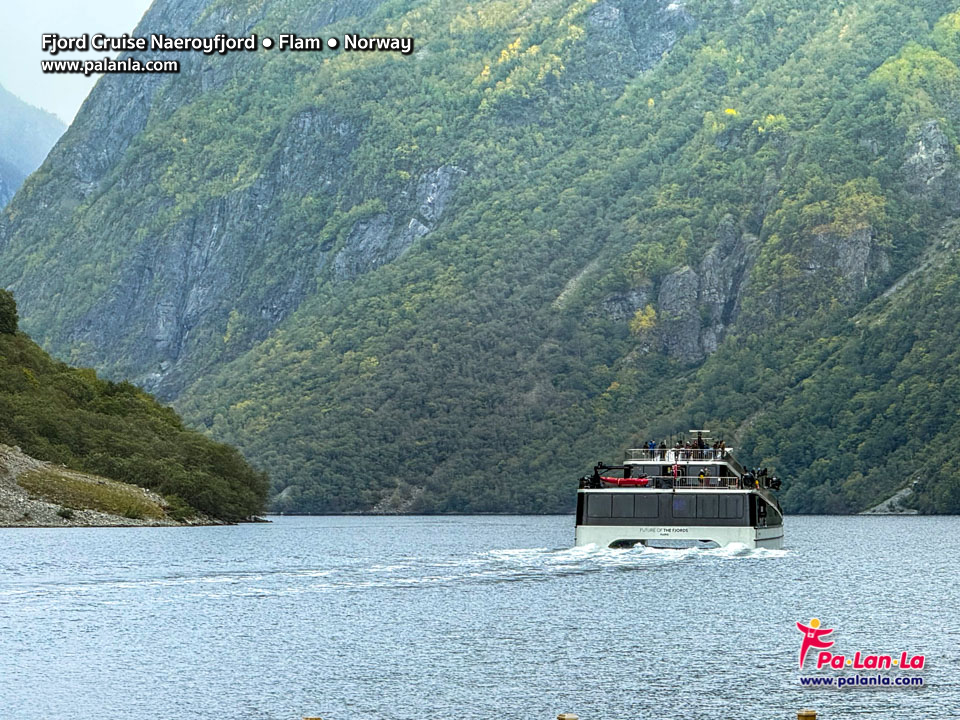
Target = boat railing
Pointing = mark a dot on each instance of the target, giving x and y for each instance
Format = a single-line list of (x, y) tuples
[(707, 482), (684, 482), (682, 455)]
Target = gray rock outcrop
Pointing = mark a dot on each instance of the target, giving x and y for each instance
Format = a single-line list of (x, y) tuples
[(623, 305), (678, 315), (628, 37), (384, 237), (855, 259), (930, 170), (695, 306)]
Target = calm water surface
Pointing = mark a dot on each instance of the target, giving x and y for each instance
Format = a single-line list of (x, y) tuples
[(425, 617)]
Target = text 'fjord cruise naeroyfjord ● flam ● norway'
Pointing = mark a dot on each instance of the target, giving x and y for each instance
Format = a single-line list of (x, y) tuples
[(693, 493)]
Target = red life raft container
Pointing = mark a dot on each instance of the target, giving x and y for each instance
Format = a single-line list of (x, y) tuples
[(626, 482)]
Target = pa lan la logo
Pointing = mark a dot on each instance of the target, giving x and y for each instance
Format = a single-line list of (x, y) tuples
[(814, 636)]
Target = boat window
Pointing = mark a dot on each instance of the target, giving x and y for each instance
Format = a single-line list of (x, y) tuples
[(685, 506), (647, 506), (622, 506), (599, 505), (773, 515), (707, 506), (731, 507)]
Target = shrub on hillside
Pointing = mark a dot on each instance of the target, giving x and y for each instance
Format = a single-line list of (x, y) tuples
[(8, 313)]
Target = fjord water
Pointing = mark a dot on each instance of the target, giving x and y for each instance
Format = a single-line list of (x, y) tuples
[(487, 617)]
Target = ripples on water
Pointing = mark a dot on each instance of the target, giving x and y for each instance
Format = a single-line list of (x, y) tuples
[(446, 617), (495, 566)]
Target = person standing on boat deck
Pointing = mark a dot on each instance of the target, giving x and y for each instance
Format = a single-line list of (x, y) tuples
[(662, 455), (702, 477)]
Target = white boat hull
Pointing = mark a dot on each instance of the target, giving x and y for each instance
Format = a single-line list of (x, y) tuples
[(751, 537)]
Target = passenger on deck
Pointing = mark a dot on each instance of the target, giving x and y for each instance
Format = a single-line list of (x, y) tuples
[(663, 451), (702, 477)]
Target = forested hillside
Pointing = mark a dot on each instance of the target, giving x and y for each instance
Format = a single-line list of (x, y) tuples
[(71, 417), (454, 280)]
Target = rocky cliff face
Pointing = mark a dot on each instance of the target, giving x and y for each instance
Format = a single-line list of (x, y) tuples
[(630, 37), (930, 170), (623, 305), (220, 276), (385, 237), (696, 305), (117, 109), (180, 285), (196, 271), (855, 259)]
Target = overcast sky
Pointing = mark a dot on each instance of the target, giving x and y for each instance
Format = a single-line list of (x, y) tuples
[(21, 26)]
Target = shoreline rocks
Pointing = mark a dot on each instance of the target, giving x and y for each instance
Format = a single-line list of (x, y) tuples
[(19, 507)]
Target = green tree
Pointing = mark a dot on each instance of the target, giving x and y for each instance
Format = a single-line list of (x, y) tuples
[(8, 312)]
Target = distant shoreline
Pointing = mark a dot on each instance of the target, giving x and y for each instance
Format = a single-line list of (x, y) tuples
[(863, 513)]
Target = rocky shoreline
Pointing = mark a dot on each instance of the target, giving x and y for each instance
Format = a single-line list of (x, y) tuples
[(893, 505), (20, 507)]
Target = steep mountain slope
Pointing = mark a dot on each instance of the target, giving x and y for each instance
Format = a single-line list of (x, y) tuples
[(71, 418), (26, 136), (453, 280)]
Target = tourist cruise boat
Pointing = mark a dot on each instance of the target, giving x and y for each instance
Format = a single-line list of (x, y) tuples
[(688, 494)]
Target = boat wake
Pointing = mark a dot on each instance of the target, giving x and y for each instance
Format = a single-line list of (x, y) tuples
[(543, 564), (408, 572), (639, 556)]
